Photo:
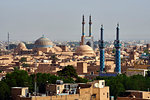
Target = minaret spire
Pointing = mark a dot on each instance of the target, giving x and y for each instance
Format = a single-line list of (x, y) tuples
[(83, 22), (90, 23), (117, 29), (117, 46), (102, 32), (102, 52)]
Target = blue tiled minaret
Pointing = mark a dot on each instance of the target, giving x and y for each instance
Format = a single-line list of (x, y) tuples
[(102, 52), (117, 46)]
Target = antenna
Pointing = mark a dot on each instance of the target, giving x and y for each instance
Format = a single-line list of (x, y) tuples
[(8, 41)]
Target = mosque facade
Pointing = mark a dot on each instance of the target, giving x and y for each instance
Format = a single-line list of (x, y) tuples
[(87, 40)]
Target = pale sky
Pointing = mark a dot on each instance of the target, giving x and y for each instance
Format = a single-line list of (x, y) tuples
[(27, 20)]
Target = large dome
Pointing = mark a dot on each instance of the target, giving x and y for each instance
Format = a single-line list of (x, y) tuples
[(85, 50), (43, 42)]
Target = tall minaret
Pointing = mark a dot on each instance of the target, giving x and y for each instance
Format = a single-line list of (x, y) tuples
[(83, 34), (117, 46), (83, 25), (102, 52), (90, 24)]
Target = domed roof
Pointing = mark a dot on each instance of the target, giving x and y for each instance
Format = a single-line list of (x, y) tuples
[(21, 46), (85, 50), (43, 42)]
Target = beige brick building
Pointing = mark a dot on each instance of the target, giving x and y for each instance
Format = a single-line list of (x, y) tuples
[(90, 91)]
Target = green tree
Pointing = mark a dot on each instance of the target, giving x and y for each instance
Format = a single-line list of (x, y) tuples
[(23, 59), (19, 78), (148, 74), (146, 51), (68, 80), (81, 80), (42, 80), (25, 65), (121, 83), (16, 68), (4, 91), (67, 72)]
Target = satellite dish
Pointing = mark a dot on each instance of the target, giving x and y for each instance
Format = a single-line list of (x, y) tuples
[(96, 85)]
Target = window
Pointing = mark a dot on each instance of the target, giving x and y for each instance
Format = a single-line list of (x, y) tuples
[(65, 86), (58, 88), (107, 95), (94, 95), (92, 73)]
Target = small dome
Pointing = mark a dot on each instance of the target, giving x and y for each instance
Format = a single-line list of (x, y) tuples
[(21, 46), (43, 42), (85, 50)]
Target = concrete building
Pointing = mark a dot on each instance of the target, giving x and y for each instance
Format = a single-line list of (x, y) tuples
[(95, 90)]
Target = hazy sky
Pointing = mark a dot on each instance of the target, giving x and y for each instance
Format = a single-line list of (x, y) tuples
[(61, 19)]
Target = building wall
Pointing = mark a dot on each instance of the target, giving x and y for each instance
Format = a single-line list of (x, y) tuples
[(18, 91), (139, 95), (129, 98), (15, 93), (146, 95), (68, 63), (85, 91), (61, 88), (95, 90), (109, 66), (81, 67), (5, 60), (42, 49), (131, 72), (51, 88), (101, 93), (84, 94)]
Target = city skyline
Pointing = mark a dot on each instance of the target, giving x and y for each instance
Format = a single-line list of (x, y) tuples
[(61, 20)]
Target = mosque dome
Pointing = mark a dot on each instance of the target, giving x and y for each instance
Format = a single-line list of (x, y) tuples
[(43, 42), (85, 50), (21, 46)]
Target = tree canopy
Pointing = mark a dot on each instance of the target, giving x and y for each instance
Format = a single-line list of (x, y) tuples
[(117, 84), (121, 83), (67, 72)]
